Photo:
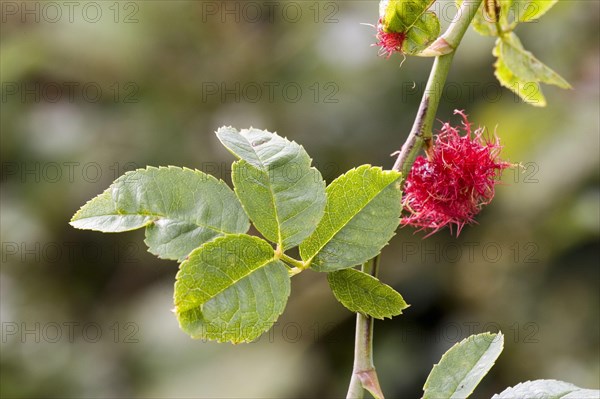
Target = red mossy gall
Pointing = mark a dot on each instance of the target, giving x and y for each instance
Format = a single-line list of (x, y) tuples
[(451, 185), (389, 42)]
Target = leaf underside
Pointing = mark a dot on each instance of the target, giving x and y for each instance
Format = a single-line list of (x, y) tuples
[(463, 366), (518, 70), (547, 389), (180, 208), (362, 293)]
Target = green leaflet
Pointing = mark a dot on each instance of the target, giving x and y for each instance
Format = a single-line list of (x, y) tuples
[(529, 10), (411, 17), (547, 389), (362, 212), (461, 368), (530, 92), (282, 194), (400, 15), (362, 293), (525, 10), (509, 14), (518, 70), (422, 33), (506, 18), (525, 65), (484, 20), (180, 208), (231, 289)]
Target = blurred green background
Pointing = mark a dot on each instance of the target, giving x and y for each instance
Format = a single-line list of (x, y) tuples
[(91, 90)]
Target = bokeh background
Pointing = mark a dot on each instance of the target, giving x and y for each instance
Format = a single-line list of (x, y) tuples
[(91, 90)]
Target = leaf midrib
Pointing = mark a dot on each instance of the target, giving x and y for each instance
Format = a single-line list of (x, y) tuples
[(320, 248), (158, 216), (233, 283), (518, 47), (471, 368), (419, 16), (263, 169)]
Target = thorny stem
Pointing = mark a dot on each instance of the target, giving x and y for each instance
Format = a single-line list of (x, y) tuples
[(363, 373), (421, 132)]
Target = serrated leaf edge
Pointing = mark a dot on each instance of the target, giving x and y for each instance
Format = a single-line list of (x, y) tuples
[(239, 132), (425, 9), (562, 82), (365, 166), (215, 242), (378, 281), (156, 216), (493, 337)]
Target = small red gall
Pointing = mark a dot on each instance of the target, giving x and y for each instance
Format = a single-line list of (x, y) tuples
[(389, 42), (454, 182)]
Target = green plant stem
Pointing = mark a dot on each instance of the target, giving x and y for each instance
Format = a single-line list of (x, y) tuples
[(293, 262), (421, 133), (363, 373)]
